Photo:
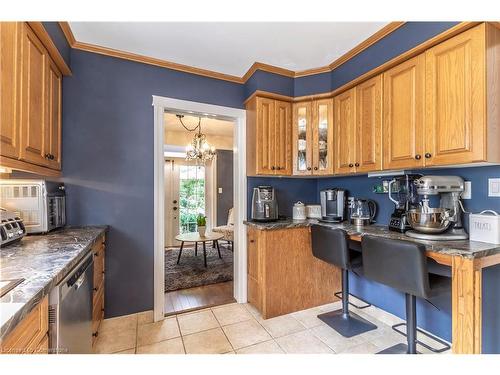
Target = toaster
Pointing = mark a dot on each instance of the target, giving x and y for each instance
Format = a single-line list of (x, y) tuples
[(11, 227)]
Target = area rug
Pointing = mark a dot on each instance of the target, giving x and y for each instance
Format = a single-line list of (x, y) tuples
[(191, 272)]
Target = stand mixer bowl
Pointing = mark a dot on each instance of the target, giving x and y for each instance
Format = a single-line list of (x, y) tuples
[(432, 220)]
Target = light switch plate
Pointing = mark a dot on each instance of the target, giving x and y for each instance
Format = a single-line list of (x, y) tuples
[(220, 190), (493, 187), (467, 190)]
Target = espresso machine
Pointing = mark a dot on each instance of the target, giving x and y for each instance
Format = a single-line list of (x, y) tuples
[(332, 205), (264, 204), (402, 192), (443, 222)]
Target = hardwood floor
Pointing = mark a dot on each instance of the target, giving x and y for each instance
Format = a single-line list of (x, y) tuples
[(197, 298)]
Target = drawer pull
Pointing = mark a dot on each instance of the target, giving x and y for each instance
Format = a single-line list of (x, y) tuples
[(95, 289), (428, 155)]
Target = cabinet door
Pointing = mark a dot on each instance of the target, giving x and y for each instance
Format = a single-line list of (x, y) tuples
[(322, 150), (403, 125), (369, 125), (283, 131), (455, 122), (302, 138), (265, 136), (345, 131), (54, 115), (34, 133), (9, 88)]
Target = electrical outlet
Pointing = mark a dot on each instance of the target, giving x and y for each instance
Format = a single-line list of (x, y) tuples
[(467, 190), (493, 187)]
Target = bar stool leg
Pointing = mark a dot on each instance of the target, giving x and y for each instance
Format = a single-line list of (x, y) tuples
[(411, 323), (346, 323)]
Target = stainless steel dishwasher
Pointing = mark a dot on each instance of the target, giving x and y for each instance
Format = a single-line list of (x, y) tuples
[(70, 310)]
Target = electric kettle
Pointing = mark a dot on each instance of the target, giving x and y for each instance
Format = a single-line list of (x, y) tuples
[(362, 211)]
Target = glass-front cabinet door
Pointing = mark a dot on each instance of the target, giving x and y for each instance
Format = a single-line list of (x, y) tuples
[(302, 138), (322, 146)]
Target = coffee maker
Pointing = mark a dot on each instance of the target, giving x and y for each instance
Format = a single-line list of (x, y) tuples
[(332, 205), (443, 222), (264, 204), (402, 191)]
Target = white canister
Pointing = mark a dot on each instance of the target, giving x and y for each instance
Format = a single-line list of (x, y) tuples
[(299, 211), (485, 227), (313, 211)]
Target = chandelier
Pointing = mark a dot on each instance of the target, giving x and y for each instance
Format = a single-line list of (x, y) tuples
[(199, 149)]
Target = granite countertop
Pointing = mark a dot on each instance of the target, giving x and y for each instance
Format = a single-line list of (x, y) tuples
[(464, 248), (43, 261)]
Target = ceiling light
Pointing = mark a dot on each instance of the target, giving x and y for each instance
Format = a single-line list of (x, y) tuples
[(199, 149)]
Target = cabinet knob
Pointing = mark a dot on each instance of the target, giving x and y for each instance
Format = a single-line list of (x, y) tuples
[(96, 254), (95, 334), (315, 168), (95, 289), (278, 168), (252, 241), (351, 165), (273, 168), (428, 155), (418, 157), (356, 165), (47, 156), (52, 157), (308, 168)]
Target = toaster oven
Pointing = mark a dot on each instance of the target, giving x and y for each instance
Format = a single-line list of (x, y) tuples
[(40, 204)]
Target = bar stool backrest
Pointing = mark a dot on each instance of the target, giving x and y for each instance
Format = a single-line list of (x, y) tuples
[(330, 245), (399, 264)]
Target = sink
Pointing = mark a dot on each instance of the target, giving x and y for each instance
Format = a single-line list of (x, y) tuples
[(7, 285)]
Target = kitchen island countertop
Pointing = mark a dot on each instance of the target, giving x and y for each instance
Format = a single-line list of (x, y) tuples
[(42, 261), (465, 248)]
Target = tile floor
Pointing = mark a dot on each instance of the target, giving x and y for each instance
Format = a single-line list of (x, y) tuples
[(239, 328)]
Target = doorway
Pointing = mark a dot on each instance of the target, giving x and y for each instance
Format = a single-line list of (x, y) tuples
[(199, 269)]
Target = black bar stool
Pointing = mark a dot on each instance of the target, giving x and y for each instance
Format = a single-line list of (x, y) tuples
[(332, 246), (402, 265)]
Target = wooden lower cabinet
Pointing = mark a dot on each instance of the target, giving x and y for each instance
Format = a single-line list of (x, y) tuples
[(283, 275), (98, 296), (31, 335)]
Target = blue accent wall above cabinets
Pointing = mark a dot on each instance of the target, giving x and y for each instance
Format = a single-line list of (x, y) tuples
[(108, 160), (56, 34), (269, 82)]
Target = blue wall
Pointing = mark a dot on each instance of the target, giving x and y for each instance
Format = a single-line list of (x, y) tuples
[(108, 160)]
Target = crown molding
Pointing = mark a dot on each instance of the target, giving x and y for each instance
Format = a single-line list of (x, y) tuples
[(227, 77), (54, 53)]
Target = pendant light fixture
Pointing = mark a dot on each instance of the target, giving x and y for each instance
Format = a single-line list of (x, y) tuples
[(199, 149)]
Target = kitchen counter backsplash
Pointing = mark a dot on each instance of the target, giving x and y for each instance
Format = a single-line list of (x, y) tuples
[(43, 261)]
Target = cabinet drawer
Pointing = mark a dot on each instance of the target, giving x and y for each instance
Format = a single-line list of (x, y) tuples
[(30, 332), (98, 254)]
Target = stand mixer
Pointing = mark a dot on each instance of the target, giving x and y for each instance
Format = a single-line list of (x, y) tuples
[(444, 222)]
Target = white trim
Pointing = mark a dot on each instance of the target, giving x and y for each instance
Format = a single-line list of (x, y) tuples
[(161, 104)]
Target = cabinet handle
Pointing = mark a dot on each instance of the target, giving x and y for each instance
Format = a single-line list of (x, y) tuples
[(351, 165), (52, 157), (47, 156), (356, 165), (96, 254), (308, 168), (278, 168), (315, 168), (95, 289), (418, 157), (428, 155), (252, 241), (273, 168), (95, 334)]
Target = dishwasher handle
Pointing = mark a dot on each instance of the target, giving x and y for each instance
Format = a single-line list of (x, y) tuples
[(76, 278)]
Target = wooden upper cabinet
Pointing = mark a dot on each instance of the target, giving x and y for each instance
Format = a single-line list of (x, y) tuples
[(403, 119), (455, 82), (322, 137), (369, 125), (283, 136), (10, 51), (34, 124), (302, 138), (345, 131), (269, 137), (53, 145)]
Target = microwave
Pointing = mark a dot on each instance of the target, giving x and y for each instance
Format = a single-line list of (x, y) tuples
[(40, 204)]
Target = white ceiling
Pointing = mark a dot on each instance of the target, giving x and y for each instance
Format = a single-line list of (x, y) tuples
[(231, 48), (209, 126)]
